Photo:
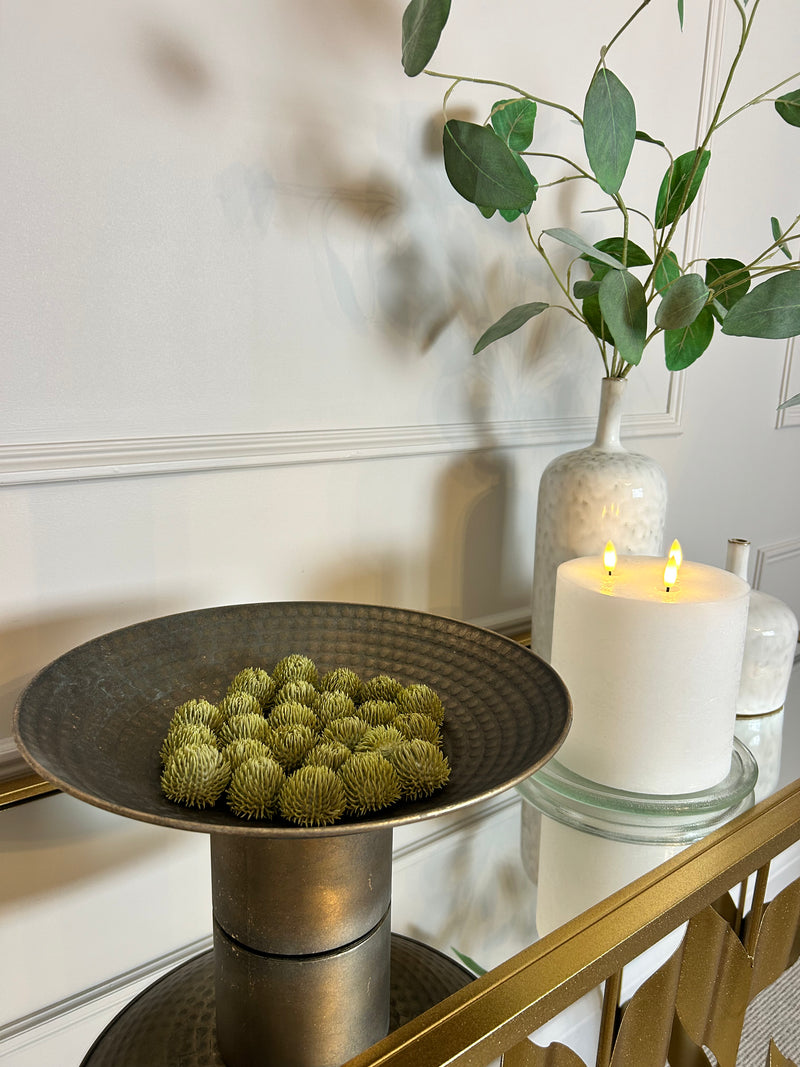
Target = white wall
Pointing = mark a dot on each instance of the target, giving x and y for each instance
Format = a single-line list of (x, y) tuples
[(239, 303)]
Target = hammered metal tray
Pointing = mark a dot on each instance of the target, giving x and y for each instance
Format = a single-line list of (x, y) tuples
[(172, 1022), (92, 722)]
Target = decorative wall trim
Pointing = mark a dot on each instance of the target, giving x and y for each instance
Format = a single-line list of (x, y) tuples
[(770, 555), (66, 461), (789, 416)]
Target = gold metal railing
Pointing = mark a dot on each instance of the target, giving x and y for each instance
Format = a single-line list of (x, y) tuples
[(698, 997)]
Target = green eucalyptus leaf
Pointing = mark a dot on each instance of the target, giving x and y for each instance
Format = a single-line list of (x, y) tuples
[(614, 247), (581, 290), (667, 271), (792, 402), (682, 302), (470, 964), (729, 280), (680, 186), (594, 317), (513, 121), (609, 129), (423, 22), (777, 233), (624, 307), (508, 323), (788, 107), (682, 347), (642, 136), (484, 170), (772, 309), (680, 12), (487, 212), (574, 240)]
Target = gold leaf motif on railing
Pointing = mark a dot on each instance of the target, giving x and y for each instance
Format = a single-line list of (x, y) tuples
[(644, 1033), (526, 1054), (775, 1057), (714, 987), (777, 945)]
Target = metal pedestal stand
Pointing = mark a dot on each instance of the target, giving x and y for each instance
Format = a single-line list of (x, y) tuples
[(305, 971)]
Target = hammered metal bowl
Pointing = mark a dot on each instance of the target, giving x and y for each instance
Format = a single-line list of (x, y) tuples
[(92, 722)]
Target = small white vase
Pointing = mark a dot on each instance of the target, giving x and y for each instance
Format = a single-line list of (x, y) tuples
[(599, 493), (769, 651)]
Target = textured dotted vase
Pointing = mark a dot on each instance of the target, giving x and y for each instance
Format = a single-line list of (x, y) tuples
[(588, 497)]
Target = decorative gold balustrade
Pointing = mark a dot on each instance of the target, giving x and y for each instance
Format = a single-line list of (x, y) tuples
[(697, 998)]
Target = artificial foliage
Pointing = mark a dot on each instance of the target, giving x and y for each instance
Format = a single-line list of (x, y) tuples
[(625, 293), (290, 744)]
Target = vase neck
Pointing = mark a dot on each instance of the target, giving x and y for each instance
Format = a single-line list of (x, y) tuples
[(612, 391), (738, 556)]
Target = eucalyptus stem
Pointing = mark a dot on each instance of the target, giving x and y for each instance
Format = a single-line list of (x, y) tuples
[(506, 85), (760, 99), (607, 47)]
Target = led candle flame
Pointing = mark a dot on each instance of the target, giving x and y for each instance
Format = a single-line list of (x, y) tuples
[(676, 552), (610, 557), (670, 572)]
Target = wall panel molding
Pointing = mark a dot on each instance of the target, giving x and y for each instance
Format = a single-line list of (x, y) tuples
[(790, 384), (65, 461)]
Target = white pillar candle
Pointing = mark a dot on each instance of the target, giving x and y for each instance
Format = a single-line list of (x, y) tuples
[(653, 673)]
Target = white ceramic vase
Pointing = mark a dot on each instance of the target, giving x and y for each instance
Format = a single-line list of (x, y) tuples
[(599, 493), (769, 651)]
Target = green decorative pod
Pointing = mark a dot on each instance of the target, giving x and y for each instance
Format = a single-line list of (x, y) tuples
[(370, 783), (333, 704), (255, 681), (423, 700), (291, 744), (186, 733), (195, 775), (381, 687), (239, 702), (200, 711), (312, 796), (385, 740), (296, 693), (292, 714), (421, 767), (341, 680), (237, 752), (328, 754), (254, 788), (412, 724), (250, 724), (347, 731), (377, 712), (295, 668)]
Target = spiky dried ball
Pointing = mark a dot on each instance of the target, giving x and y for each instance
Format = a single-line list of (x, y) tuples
[(254, 788), (421, 767), (421, 699), (381, 687), (244, 749), (328, 754), (195, 775), (377, 712), (290, 744), (341, 680), (201, 711), (294, 714), (294, 668), (255, 681), (250, 724), (186, 733), (312, 796), (333, 705), (296, 693), (347, 731), (370, 783), (413, 724), (239, 702), (385, 740)]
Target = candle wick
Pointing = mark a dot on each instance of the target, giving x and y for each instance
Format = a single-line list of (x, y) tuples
[(667, 588)]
